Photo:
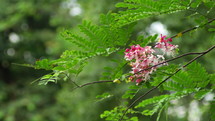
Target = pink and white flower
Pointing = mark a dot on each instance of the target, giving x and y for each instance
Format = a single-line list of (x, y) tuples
[(141, 58), (166, 48)]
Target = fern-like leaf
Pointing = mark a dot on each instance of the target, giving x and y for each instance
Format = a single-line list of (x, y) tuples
[(194, 76), (139, 9), (198, 74), (158, 101)]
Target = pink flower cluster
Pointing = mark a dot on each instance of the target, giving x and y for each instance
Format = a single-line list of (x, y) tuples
[(166, 47), (142, 58)]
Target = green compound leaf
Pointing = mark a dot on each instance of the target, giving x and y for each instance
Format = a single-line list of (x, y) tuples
[(153, 105), (193, 77), (200, 94), (116, 114), (103, 96), (140, 9)]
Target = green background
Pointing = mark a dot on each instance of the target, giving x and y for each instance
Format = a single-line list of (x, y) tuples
[(30, 31)]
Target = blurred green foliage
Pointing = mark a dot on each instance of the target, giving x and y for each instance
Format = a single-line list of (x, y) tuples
[(30, 31)]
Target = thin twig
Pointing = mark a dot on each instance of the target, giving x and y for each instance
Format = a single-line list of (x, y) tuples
[(95, 82), (191, 29), (133, 103), (71, 80)]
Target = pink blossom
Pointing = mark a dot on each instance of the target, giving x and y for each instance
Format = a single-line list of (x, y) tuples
[(141, 58), (162, 39), (166, 48), (139, 80)]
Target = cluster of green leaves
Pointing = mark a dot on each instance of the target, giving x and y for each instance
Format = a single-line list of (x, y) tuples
[(195, 77), (116, 114), (110, 36), (140, 9), (191, 81), (113, 35), (93, 41)]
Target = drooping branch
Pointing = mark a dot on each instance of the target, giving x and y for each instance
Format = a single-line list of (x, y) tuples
[(139, 98), (172, 59)]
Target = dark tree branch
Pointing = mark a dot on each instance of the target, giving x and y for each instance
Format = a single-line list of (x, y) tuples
[(172, 59), (139, 98)]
